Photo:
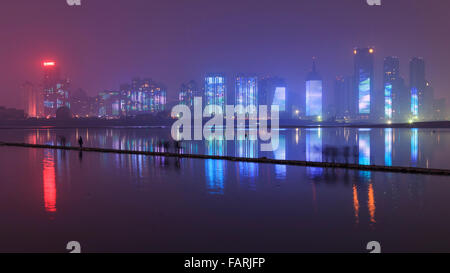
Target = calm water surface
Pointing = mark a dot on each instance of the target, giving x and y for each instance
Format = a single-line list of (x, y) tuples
[(130, 203)]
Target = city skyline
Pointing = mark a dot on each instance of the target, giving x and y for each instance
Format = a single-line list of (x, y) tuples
[(280, 48), (363, 102)]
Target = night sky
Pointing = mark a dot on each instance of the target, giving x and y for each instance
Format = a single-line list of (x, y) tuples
[(105, 43)]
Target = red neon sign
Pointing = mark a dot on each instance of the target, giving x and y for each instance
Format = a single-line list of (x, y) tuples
[(49, 63)]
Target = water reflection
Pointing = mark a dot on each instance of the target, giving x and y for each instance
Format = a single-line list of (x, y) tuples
[(401, 147), (388, 146), (247, 148), (215, 169), (280, 153), (364, 146), (49, 180), (314, 150), (371, 204), (414, 146), (356, 204)]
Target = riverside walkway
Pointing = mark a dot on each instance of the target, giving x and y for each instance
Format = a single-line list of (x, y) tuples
[(262, 160)]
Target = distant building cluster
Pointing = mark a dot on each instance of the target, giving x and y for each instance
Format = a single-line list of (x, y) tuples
[(356, 97), (397, 101), (141, 96)]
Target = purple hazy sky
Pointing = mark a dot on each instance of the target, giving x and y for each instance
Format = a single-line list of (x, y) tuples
[(105, 43)]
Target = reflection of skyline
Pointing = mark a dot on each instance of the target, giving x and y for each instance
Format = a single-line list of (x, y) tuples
[(218, 174), (215, 169), (388, 146), (414, 146), (314, 150), (371, 203), (280, 153), (248, 149), (49, 181), (364, 146), (401, 147)]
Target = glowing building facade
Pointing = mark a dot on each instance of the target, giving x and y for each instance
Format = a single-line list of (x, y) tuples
[(55, 90), (246, 90), (314, 93), (187, 93), (109, 103), (418, 85), (364, 77), (142, 97), (215, 90), (391, 71)]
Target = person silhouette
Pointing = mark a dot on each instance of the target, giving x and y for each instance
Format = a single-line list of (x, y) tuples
[(80, 142)]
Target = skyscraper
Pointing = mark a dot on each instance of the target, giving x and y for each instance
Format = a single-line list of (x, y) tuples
[(216, 90), (142, 96), (246, 90), (417, 84), (314, 93), (273, 91), (55, 89), (391, 71), (187, 93), (364, 81), (80, 103), (32, 99), (345, 95)]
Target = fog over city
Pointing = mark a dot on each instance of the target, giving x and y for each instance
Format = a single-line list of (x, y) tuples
[(103, 44)]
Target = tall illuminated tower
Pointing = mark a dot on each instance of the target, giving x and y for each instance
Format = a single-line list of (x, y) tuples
[(246, 90), (364, 77), (216, 90), (314, 93), (391, 70), (55, 89), (417, 84)]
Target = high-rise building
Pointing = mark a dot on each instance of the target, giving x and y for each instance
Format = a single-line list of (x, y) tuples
[(314, 94), (246, 90), (364, 81), (109, 104), (345, 95), (142, 97), (187, 93), (32, 100), (216, 90), (273, 91), (80, 103), (55, 90), (417, 84), (391, 72)]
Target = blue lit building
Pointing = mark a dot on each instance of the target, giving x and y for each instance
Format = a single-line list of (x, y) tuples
[(314, 94), (215, 90), (246, 90), (392, 85), (364, 77), (142, 97), (108, 103)]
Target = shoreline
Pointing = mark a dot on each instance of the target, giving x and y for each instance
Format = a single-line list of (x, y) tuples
[(139, 124)]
